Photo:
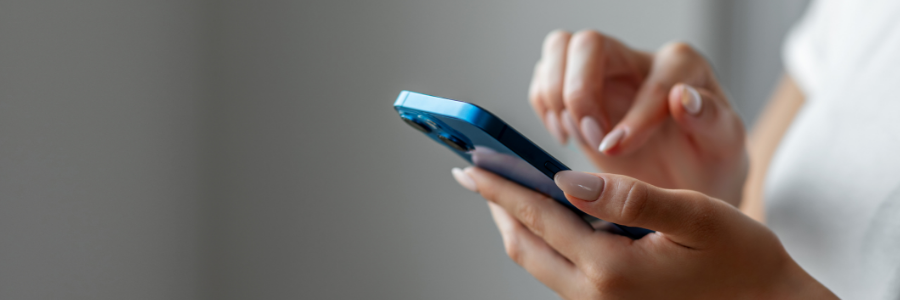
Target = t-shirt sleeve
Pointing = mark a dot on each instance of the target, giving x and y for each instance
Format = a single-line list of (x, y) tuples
[(805, 47)]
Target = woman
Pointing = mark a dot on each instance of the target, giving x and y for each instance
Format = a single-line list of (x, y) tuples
[(663, 128)]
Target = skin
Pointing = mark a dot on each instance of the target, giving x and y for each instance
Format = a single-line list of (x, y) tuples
[(704, 247), (774, 121), (588, 74)]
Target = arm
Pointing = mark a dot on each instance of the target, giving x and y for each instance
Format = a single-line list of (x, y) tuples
[(764, 139)]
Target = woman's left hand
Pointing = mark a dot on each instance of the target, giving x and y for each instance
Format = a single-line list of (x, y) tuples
[(660, 117), (703, 248)]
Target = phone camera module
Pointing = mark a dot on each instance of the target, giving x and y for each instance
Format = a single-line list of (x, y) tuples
[(454, 142), (415, 123)]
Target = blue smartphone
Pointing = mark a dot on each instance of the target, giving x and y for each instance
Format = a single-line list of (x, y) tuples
[(487, 142)]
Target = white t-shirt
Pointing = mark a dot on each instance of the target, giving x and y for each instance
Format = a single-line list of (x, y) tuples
[(833, 189)]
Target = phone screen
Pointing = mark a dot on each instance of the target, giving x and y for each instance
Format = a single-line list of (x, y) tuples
[(517, 170)]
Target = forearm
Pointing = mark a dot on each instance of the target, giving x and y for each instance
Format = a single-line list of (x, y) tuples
[(764, 139)]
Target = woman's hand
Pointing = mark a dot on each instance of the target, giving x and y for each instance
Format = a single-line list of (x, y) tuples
[(703, 247), (660, 117)]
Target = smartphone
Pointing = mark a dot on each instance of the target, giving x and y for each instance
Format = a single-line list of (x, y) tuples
[(487, 142)]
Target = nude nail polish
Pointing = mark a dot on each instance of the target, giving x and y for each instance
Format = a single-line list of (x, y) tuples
[(591, 131), (691, 100), (612, 139), (464, 180), (579, 184), (555, 128), (572, 127)]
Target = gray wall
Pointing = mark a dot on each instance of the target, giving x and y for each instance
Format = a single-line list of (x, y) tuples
[(749, 48), (102, 110), (248, 150)]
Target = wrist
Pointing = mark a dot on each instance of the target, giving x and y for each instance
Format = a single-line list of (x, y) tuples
[(797, 284)]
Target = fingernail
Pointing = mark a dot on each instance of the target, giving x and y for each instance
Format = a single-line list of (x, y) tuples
[(571, 126), (464, 180), (579, 184), (554, 127), (591, 131), (690, 100), (612, 139)]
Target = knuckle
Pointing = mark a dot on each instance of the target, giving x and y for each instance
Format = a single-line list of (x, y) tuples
[(586, 39), (556, 38), (679, 49), (635, 202), (488, 192), (576, 92), (550, 92), (659, 87), (680, 55), (530, 216), (553, 94), (593, 273), (604, 281), (511, 242), (534, 98), (534, 91)]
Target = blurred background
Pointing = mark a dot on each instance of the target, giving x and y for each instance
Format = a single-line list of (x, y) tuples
[(199, 149)]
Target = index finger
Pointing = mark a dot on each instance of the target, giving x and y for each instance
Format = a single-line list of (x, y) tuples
[(675, 62), (558, 226), (594, 60)]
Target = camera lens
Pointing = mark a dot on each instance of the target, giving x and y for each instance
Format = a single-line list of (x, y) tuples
[(454, 142), (418, 125)]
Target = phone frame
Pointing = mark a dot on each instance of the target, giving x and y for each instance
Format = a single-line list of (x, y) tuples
[(425, 110)]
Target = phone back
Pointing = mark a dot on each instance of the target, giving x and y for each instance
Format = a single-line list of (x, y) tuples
[(487, 142)]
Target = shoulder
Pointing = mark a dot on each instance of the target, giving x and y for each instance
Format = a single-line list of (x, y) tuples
[(836, 34)]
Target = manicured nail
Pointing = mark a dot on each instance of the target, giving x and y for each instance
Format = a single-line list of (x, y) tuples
[(554, 127), (612, 139), (690, 99), (579, 184), (570, 125), (464, 180), (591, 131)]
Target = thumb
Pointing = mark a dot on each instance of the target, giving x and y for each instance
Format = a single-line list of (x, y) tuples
[(685, 217)]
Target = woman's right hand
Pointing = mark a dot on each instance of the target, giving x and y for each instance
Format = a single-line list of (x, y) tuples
[(703, 248), (660, 117)]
